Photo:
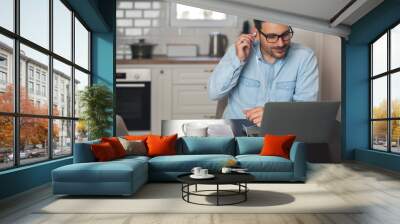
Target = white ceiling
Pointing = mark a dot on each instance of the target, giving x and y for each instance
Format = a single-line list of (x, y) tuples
[(321, 9), (313, 15)]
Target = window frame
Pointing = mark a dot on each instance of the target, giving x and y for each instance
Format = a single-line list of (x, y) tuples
[(388, 74), (230, 21), (15, 72)]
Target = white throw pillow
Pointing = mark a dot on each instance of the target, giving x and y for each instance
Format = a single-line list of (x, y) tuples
[(133, 147)]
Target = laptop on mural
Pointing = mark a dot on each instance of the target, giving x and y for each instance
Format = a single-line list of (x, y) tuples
[(311, 122)]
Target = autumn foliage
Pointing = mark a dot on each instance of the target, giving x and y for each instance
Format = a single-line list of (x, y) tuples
[(380, 127), (33, 131)]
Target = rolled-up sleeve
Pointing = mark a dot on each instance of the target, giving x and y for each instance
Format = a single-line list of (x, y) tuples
[(307, 85), (225, 75)]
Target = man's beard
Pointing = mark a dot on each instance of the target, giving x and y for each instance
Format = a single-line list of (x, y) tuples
[(271, 52)]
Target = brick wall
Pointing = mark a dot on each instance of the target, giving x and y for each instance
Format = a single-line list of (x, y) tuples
[(149, 19)]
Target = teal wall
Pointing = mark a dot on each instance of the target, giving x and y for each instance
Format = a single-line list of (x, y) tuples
[(355, 86), (99, 15)]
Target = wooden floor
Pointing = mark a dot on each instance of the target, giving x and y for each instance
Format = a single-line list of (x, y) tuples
[(379, 189)]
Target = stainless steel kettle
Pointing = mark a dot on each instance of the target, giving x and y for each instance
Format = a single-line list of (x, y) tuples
[(218, 44)]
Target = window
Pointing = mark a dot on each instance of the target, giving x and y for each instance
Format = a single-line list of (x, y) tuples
[(188, 16), (62, 29), (63, 73), (30, 87), (7, 14), (46, 73), (30, 72), (6, 75), (385, 94), (34, 21), (81, 45)]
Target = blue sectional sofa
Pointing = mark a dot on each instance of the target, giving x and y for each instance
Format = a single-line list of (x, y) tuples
[(125, 176)]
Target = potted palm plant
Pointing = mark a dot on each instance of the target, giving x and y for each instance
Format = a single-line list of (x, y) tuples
[(96, 103)]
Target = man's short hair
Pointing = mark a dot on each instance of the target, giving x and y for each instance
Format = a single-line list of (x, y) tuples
[(258, 24)]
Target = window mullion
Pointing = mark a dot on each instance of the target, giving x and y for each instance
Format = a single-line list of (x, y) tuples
[(389, 106), (73, 82), (50, 81)]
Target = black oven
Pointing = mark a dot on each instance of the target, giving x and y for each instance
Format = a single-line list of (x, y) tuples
[(133, 94)]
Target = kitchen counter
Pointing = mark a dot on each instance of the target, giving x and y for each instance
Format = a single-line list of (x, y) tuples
[(171, 60)]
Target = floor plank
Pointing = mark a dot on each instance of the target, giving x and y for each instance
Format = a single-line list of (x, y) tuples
[(376, 189)]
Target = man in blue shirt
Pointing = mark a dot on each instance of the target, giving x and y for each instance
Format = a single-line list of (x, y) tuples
[(264, 67)]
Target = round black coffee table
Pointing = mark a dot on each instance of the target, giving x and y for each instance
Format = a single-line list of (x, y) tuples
[(238, 179)]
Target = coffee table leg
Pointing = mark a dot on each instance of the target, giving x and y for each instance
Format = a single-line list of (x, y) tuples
[(196, 188), (245, 191), (217, 194)]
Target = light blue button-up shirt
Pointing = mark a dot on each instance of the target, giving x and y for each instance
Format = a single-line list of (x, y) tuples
[(255, 82)]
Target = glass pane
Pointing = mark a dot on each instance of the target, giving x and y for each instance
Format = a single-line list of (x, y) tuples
[(62, 29), (6, 142), (395, 136), (35, 21), (395, 47), (81, 81), (7, 14), (395, 94), (34, 97), (193, 13), (379, 55), (379, 97), (81, 45), (62, 138), (6, 74), (379, 135), (62, 89), (33, 139), (81, 131)]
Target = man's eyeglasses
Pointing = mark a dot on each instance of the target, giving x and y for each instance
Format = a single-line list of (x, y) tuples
[(273, 38)]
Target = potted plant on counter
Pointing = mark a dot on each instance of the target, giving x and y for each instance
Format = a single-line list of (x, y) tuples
[(96, 103)]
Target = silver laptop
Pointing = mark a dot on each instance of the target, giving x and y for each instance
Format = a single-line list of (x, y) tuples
[(311, 122)]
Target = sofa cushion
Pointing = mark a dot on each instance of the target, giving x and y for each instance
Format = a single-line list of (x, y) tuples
[(277, 145), (103, 152), (161, 145), (206, 145), (257, 163), (112, 171), (116, 145), (185, 163), (134, 147), (249, 145)]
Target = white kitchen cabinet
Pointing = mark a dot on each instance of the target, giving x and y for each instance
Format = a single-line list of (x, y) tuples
[(195, 75), (192, 99), (161, 97)]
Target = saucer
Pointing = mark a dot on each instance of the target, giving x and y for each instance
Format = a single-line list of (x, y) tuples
[(208, 176)]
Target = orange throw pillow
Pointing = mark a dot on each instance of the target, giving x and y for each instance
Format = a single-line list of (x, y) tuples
[(277, 145), (116, 145), (103, 152), (136, 137), (161, 145)]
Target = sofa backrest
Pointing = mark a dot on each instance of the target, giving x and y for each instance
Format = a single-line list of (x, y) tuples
[(249, 145), (83, 153), (206, 145)]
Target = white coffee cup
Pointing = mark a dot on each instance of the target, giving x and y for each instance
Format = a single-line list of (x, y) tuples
[(196, 171), (226, 170), (203, 172), (194, 129)]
